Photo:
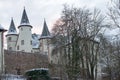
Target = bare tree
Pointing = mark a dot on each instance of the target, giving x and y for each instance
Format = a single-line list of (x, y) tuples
[(78, 29), (114, 12)]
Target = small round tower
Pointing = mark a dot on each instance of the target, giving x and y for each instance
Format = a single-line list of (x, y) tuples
[(24, 42), (12, 37), (45, 40)]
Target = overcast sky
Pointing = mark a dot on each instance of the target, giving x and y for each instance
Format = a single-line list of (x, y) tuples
[(37, 10)]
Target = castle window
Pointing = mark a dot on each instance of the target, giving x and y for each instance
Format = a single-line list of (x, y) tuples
[(23, 50), (21, 29), (46, 53), (9, 38), (10, 48), (17, 47), (22, 42), (51, 61)]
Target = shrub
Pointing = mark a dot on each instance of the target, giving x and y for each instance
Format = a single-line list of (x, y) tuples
[(37, 74)]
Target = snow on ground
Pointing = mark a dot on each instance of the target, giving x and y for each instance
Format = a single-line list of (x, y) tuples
[(12, 77)]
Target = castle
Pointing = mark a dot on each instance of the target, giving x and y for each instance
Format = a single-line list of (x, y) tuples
[(24, 49), (23, 40), (23, 54)]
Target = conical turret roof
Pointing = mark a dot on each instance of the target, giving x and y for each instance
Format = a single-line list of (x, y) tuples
[(24, 20), (12, 29), (45, 31)]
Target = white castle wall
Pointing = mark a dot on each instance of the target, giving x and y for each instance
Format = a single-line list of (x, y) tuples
[(11, 41), (51, 58), (44, 46), (0, 41), (1, 53), (36, 50), (25, 36)]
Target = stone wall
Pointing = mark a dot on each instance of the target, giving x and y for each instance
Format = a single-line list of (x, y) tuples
[(19, 62)]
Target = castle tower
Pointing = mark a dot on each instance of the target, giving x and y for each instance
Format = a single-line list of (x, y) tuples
[(24, 42), (12, 37), (2, 30), (45, 40)]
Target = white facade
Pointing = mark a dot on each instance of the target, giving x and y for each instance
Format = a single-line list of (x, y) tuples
[(1, 51), (51, 47), (36, 50), (24, 42), (44, 46), (11, 41)]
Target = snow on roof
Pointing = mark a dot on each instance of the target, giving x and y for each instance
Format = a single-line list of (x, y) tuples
[(38, 69), (45, 37), (22, 24), (35, 40), (1, 27), (112, 35), (14, 32)]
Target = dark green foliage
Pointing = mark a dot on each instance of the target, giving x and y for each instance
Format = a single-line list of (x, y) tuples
[(40, 74)]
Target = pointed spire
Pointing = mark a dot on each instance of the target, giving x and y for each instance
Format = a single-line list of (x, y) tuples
[(24, 20), (45, 31), (12, 29)]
